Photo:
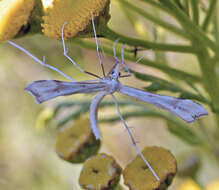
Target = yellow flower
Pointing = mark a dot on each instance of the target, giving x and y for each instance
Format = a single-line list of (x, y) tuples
[(189, 185), (100, 172), (138, 176), (213, 186), (77, 13), (43, 117), (14, 14), (75, 143)]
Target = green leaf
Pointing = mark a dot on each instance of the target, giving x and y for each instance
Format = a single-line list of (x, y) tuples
[(189, 164), (84, 106), (175, 126), (184, 133)]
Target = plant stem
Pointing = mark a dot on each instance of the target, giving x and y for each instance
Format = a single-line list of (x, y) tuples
[(155, 20), (210, 81), (155, 4), (211, 9), (215, 27), (210, 140), (108, 33), (195, 11), (186, 5), (162, 67), (195, 31)]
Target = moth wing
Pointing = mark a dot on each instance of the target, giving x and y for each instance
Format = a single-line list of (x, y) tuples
[(44, 90), (186, 109)]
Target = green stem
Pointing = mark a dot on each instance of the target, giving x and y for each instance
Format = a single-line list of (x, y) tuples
[(155, 20), (108, 33), (168, 70), (195, 31), (211, 9), (195, 11), (155, 4), (210, 139), (215, 27), (186, 5), (210, 81), (118, 187)]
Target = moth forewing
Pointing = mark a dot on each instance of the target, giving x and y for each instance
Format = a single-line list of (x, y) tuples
[(44, 90), (94, 113), (186, 109)]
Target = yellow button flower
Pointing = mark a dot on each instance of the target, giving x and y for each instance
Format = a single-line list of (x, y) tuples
[(76, 13), (14, 14), (189, 185)]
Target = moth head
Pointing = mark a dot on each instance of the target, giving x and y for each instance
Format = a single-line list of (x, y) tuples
[(115, 72)]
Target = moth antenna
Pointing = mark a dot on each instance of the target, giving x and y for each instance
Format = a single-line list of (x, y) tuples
[(43, 63), (69, 58), (132, 138), (96, 39), (66, 51)]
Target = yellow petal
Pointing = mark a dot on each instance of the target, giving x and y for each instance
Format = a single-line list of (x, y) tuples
[(213, 186), (189, 185), (43, 117), (13, 15), (77, 14)]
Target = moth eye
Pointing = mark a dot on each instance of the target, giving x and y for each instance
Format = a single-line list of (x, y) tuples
[(119, 74), (112, 72)]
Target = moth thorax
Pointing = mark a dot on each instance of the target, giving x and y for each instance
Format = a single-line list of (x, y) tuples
[(113, 85)]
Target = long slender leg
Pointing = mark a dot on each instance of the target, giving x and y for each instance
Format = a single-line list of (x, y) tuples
[(39, 61), (123, 62), (117, 59), (140, 58), (98, 52), (132, 139), (122, 57), (114, 50), (69, 58)]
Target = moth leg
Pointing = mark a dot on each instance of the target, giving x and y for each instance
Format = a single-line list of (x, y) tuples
[(140, 58), (43, 63), (114, 50), (123, 62), (69, 58), (94, 113), (132, 138), (122, 57), (98, 52)]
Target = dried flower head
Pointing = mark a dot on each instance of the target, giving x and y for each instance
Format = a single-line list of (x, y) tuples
[(75, 143), (99, 173), (76, 13), (14, 14), (138, 177)]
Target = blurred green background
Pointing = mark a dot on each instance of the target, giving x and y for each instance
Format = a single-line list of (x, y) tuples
[(28, 159)]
